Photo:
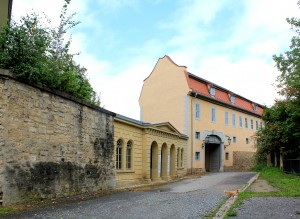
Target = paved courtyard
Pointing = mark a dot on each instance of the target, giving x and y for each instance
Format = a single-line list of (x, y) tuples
[(189, 198)]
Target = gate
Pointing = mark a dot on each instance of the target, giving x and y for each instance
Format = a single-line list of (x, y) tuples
[(291, 166)]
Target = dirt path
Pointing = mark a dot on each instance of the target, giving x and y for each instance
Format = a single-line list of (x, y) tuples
[(261, 185)]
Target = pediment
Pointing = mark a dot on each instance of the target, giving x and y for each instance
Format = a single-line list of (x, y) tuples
[(166, 126)]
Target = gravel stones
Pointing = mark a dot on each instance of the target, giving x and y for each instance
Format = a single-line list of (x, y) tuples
[(269, 207), (189, 198)]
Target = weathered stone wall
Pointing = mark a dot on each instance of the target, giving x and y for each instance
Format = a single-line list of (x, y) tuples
[(51, 145), (242, 161)]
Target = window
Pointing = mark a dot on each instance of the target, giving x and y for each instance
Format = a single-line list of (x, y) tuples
[(251, 123), (241, 121), (247, 140), (226, 118), (227, 156), (197, 111), (246, 123), (255, 107), (197, 156), (256, 125), (178, 157), (181, 158), (197, 135), (232, 99), (234, 139), (233, 119), (212, 91), (128, 155), (119, 154), (213, 114), (261, 125)]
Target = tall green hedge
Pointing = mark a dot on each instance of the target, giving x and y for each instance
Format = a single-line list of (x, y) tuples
[(39, 54)]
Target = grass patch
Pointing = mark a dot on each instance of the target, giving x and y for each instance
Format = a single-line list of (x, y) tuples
[(288, 185), (4, 211), (232, 213), (212, 214)]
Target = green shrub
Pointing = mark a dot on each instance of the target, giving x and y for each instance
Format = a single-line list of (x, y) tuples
[(38, 54)]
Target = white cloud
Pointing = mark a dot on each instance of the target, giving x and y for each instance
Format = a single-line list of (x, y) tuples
[(116, 4), (51, 8), (247, 67), (241, 62), (119, 86), (251, 78), (120, 93)]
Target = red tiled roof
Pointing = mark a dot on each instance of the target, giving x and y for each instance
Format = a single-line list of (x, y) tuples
[(201, 86)]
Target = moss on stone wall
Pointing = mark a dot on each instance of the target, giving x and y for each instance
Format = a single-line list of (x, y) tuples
[(52, 145)]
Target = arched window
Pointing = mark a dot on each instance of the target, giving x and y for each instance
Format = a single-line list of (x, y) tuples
[(181, 158), (178, 157), (119, 154), (128, 155)]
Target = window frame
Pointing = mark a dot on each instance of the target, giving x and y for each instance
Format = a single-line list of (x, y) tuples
[(261, 124), (213, 115), (227, 156), (197, 110), (255, 107), (241, 121), (212, 91), (129, 155), (234, 139), (247, 141), (226, 114), (197, 135), (178, 156), (197, 155), (181, 157), (119, 154), (232, 99), (246, 122), (233, 119)]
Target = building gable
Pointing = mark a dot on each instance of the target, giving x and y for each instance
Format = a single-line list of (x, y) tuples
[(164, 75), (163, 94)]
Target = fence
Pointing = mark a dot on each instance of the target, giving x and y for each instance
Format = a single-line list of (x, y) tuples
[(291, 166)]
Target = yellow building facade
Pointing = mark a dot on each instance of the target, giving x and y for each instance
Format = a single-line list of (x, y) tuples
[(5, 11), (147, 152), (220, 124)]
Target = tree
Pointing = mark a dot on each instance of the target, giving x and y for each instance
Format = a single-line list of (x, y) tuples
[(39, 54), (282, 120)]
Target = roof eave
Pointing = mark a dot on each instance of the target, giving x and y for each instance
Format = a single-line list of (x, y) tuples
[(220, 103)]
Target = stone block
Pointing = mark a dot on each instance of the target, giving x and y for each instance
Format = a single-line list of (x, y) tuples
[(50, 145)]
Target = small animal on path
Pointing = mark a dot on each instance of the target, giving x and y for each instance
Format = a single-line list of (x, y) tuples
[(231, 193)]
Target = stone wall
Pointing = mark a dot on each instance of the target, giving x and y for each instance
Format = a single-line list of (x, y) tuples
[(51, 145), (242, 161)]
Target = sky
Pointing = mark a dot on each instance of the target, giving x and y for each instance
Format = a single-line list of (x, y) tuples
[(228, 42)]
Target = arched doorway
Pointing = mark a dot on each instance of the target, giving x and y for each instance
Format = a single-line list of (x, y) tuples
[(212, 153), (173, 160), (164, 161), (154, 161)]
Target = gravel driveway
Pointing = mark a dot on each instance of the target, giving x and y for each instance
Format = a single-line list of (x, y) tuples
[(269, 207), (189, 198)]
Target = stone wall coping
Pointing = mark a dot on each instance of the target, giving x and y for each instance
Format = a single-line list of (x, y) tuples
[(7, 74)]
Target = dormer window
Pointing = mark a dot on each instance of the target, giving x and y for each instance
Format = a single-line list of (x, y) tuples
[(255, 107), (232, 99), (212, 91)]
